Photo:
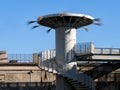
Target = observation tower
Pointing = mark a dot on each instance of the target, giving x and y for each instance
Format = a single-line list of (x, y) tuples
[(65, 25)]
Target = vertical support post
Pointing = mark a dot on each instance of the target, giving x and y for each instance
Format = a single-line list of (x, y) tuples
[(3, 57), (35, 58)]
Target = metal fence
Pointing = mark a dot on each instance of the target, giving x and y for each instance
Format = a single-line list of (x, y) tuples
[(83, 48), (20, 57), (48, 54)]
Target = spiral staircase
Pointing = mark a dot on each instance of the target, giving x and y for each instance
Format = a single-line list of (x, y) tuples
[(77, 80)]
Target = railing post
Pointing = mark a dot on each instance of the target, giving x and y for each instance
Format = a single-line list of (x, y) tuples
[(111, 51), (91, 48), (119, 51), (35, 58)]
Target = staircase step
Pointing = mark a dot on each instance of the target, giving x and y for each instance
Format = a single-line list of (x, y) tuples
[(77, 85)]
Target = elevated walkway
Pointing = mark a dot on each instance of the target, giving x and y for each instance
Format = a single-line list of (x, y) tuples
[(87, 52), (103, 54)]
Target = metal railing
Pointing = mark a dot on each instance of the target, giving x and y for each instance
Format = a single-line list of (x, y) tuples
[(82, 48), (20, 57), (88, 47), (48, 54), (107, 51)]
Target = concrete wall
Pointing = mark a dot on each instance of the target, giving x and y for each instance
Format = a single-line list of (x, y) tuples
[(25, 77)]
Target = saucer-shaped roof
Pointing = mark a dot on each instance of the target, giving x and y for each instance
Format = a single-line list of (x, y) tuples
[(65, 20)]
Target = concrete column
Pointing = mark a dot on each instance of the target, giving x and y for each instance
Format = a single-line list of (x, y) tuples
[(65, 44), (61, 84)]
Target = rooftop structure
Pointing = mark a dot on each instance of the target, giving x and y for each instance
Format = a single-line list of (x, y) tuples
[(70, 20)]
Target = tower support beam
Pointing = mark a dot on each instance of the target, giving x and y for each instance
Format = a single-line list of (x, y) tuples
[(65, 44)]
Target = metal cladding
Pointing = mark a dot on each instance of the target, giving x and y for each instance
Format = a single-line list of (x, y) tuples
[(65, 20)]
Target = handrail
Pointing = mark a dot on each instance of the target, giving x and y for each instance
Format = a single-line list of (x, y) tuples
[(50, 63)]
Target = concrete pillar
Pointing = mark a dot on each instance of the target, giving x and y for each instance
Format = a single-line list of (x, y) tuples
[(35, 58), (61, 84), (65, 44)]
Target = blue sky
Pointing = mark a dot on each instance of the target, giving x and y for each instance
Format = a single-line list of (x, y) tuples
[(18, 37)]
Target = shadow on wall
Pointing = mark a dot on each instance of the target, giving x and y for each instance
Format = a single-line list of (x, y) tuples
[(27, 86)]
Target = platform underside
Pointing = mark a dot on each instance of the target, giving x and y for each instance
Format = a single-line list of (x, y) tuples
[(65, 21)]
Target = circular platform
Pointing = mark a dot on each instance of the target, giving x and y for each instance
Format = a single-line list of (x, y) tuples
[(65, 20)]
